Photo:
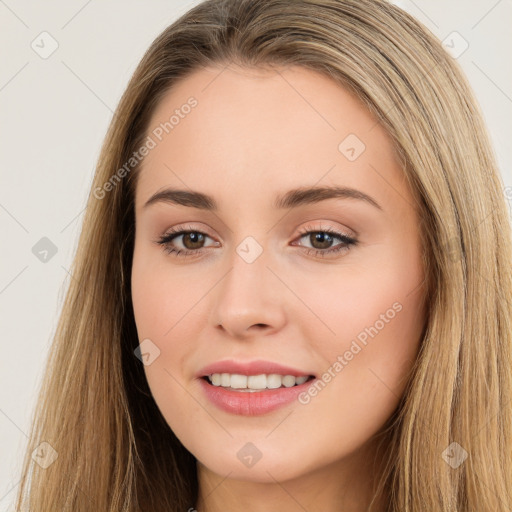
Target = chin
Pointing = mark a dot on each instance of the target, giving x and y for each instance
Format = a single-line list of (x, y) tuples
[(266, 469)]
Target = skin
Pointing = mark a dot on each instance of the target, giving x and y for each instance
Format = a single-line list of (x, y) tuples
[(255, 134)]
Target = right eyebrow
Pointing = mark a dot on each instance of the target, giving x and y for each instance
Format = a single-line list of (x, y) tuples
[(183, 198)]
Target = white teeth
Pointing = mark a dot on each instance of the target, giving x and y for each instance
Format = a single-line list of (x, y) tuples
[(273, 381), (255, 382), (288, 381), (225, 379), (300, 380), (238, 381)]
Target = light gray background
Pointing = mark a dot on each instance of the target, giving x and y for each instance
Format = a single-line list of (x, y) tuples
[(55, 113)]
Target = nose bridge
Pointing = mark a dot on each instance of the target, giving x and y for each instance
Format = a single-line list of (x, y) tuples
[(249, 294), (248, 280)]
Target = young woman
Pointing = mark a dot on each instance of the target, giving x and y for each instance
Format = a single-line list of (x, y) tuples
[(292, 289)]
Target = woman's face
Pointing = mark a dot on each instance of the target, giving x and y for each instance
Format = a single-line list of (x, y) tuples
[(324, 281)]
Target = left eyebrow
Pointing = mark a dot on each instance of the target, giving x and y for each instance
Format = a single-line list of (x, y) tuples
[(300, 196), (291, 199)]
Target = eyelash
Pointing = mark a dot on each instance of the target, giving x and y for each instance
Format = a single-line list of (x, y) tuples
[(173, 233)]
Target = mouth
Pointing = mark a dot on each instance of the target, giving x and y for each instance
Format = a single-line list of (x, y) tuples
[(255, 383), (251, 395)]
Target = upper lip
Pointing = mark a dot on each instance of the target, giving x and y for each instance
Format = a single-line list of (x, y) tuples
[(256, 367)]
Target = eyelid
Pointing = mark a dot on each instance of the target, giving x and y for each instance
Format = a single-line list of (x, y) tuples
[(186, 227), (307, 228)]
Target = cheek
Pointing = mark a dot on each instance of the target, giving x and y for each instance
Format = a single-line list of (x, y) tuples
[(373, 317), (167, 310), (164, 295), (377, 324)]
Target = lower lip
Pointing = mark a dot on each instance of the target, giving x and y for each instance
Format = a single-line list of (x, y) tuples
[(246, 403)]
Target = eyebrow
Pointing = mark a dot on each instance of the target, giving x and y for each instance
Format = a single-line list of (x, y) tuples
[(291, 199)]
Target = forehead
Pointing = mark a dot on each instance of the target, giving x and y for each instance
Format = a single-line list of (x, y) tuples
[(259, 130)]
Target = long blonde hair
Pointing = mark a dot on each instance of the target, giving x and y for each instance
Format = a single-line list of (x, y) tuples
[(115, 450)]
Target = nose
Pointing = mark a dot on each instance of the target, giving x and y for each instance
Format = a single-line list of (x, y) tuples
[(249, 300)]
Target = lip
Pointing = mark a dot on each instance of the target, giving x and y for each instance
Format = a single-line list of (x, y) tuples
[(245, 403), (256, 367)]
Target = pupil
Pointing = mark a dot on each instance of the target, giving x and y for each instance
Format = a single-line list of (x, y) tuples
[(196, 238), (323, 238)]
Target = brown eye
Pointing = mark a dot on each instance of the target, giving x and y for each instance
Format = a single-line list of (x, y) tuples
[(320, 240), (185, 242), (193, 240)]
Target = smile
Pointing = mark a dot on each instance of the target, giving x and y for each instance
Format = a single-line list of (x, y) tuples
[(255, 383)]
